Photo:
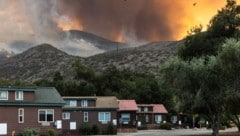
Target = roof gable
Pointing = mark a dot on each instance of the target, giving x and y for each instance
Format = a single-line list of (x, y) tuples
[(127, 105), (44, 96), (159, 108)]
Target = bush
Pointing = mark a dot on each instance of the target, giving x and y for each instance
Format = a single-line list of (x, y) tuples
[(85, 129), (30, 132), (51, 132), (166, 126), (110, 130), (95, 130)]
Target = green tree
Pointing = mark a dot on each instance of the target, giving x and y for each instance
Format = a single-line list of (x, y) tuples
[(225, 24), (198, 85), (230, 64), (83, 72)]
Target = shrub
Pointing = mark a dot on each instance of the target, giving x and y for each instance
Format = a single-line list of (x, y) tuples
[(110, 129), (85, 129), (166, 126), (51, 132), (95, 130), (30, 132)]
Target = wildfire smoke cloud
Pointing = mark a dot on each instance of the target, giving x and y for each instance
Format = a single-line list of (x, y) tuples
[(118, 20)]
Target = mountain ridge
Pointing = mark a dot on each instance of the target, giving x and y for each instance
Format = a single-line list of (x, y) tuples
[(37, 63), (41, 62)]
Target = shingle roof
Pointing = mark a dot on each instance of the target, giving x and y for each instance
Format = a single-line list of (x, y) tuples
[(48, 95), (159, 108), (45, 96), (102, 102), (127, 105), (16, 88), (106, 102)]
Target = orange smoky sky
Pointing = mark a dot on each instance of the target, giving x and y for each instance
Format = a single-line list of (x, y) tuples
[(148, 20), (117, 20)]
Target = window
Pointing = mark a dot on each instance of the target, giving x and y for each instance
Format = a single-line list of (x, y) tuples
[(73, 125), (158, 118), (104, 116), (174, 119), (18, 95), (125, 117), (84, 103), (66, 115), (46, 115), (147, 118), (139, 109), (71, 103), (85, 117), (145, 109), (3, 95), (21, 115)]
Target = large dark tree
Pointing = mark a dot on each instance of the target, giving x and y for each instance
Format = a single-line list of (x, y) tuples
[(225, 24), (207, 85)]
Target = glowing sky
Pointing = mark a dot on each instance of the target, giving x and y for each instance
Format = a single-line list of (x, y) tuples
[(118, 20)]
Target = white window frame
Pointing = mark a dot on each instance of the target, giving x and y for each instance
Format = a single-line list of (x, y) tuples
[(20, 116), (84, 103), (46, 113), (104, 116), (158, 118), (2, 98), (19, 93), (66, 115), (72, 103), (145, 109), (85, 116)]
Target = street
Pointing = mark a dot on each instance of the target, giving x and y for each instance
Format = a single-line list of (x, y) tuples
[(174, 132)]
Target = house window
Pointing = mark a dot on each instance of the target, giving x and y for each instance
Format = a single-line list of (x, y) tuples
[(104, 116), (46, 115), (3, 95), (174, 119), (84, 103), (145, 109), (66, 115), (85, 117), (147, 118), (158, 118), (125, 117), (21, 115), (18, 95), (71, 103), (139, 109)]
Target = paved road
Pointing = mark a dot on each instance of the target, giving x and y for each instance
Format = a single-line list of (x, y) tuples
[(174, 132)]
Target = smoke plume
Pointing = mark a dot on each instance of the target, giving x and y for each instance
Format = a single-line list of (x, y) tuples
[(118, 20)]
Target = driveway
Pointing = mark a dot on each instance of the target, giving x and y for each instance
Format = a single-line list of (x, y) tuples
[(174, 132)]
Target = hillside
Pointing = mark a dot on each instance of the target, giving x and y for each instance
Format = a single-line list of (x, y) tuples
[(144, 58), (38, 62), (44, 60)]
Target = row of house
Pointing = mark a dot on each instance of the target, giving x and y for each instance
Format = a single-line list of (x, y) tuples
[(43, 108)]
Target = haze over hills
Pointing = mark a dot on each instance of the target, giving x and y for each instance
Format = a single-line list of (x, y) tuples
[(44, 60), (74, 42), (37, 63), (97, 41)]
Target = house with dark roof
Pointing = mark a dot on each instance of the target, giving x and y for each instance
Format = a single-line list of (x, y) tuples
[(127, 116), (90, 110), (30, 107), (151, 115)]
